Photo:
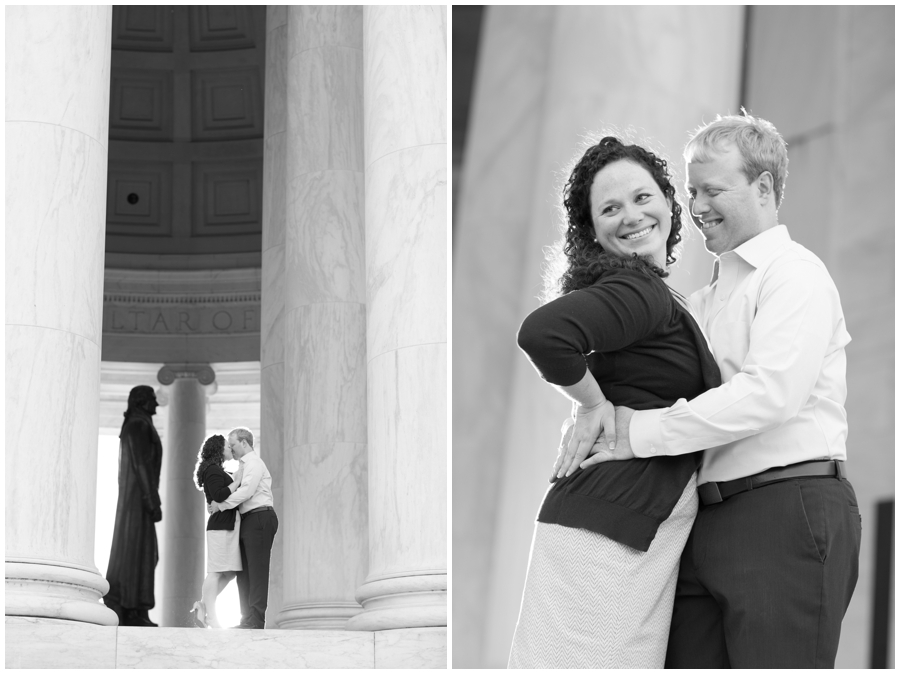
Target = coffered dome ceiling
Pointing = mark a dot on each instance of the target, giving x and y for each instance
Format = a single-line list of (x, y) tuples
[(186, 137), (185, 183)]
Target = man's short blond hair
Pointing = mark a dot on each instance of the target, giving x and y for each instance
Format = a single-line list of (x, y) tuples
[(241, 433), (761, 146)]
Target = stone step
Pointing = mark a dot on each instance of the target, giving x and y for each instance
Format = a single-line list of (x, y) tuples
[(33, 643)]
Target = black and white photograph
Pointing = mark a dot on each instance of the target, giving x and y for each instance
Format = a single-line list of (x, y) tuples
[(610, 384), (673, 337), (227, 269)]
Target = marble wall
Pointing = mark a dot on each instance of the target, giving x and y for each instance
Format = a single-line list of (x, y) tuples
[(544, 82), (57, 112), (833, 100)]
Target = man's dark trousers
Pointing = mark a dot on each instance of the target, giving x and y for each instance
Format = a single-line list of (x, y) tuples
[(257, 534), (766, 577)]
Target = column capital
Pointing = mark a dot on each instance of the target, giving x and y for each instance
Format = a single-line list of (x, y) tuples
[(202, 372)]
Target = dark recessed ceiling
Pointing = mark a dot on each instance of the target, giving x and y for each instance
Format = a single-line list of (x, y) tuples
[(186, 136)]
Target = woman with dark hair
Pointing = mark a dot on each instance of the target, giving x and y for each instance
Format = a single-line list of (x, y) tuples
[(223, 553), (604, 558)]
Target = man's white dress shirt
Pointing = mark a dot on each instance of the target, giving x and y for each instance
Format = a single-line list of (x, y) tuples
[(774, 323), (256, 485)]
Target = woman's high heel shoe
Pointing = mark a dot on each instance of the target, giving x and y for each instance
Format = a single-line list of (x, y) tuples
[(199, 613)]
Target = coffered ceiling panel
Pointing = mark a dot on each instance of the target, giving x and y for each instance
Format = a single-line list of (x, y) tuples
[(227, 198), (143, 28), (227, 104), (140, 104), (138, 199), (186, 137), (221, 27)]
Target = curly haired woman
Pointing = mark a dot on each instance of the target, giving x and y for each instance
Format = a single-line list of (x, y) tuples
[(604, 558), (223, 553)]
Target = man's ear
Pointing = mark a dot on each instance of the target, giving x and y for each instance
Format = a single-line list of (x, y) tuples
[(765, 183)]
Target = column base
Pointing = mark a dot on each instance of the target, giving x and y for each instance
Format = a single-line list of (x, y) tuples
[(46, 591), (396, 603), (320, 616)]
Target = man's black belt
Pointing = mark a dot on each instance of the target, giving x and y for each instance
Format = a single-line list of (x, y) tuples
[(716, 492), (258, 510)]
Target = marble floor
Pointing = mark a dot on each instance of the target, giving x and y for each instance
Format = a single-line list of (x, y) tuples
[(31, 644)]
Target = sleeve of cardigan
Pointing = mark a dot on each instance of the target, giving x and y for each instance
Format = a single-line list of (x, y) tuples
[(216, 484), (622, 308)]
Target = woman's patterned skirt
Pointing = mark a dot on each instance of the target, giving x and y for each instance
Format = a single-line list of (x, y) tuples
[(590, 602)]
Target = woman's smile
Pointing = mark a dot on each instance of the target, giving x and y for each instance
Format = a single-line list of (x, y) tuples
[(630, 213), (640, 234)]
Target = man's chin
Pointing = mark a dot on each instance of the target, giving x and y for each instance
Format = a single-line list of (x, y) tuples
[(712, 247)]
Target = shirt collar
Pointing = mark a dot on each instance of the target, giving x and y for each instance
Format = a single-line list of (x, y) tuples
[(763, 246)]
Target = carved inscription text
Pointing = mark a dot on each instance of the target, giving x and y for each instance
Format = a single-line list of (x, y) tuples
[(172, 320)]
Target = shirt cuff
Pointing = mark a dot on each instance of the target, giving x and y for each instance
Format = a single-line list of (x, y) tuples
[(645, 434)]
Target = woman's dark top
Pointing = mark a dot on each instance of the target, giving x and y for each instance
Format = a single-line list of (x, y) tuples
[(215, 485), (646, 351)]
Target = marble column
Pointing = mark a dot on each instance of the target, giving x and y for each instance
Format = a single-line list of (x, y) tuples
[(272, 327), (406, 294), (324, 525), (57, 117), (183, 527)]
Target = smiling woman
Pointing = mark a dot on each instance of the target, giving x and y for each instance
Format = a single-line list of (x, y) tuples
[(615, 325), (631, 214), (633, 175)]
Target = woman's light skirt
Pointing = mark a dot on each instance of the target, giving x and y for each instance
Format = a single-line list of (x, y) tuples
[(223, 548), (590, 602)]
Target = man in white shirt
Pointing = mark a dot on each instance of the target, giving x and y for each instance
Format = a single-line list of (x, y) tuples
[(258, 527), (772, 561)]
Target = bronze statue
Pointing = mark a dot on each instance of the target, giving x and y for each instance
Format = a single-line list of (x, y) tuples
[(134, 553)]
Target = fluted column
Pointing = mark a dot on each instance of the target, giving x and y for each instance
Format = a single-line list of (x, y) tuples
[(324, 519), (183, 528), (57, 116), (272, 329), (406, 293)]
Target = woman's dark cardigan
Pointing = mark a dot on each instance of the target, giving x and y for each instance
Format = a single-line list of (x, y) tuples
[(215, 486), (646, 351)]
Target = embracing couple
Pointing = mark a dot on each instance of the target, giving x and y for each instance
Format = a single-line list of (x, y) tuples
[(700, 514), (240, 530)]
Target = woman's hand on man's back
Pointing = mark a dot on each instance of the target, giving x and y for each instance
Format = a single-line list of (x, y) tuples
[(602, 451)]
